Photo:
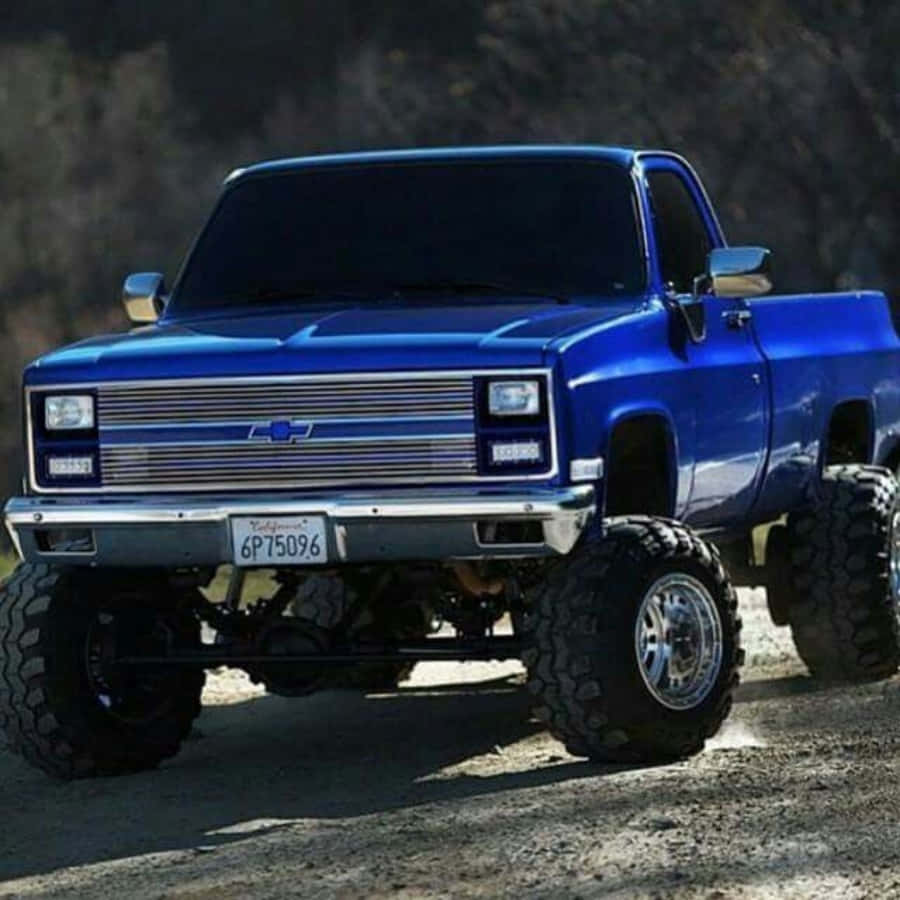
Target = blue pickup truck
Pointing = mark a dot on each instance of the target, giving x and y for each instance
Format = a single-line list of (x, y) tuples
[(434, 391)]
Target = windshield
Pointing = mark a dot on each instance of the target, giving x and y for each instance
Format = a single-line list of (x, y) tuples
[(557, 228)]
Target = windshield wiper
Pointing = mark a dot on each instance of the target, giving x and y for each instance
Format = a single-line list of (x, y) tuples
[(465, 287)]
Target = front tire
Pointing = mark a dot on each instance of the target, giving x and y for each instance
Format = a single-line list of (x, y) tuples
[(845, 571), (62, 705), (634, 644)]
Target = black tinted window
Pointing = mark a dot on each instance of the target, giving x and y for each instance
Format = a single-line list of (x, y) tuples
[(681, 237), (560, 227)]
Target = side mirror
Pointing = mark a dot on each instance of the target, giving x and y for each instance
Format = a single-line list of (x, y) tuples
[(142, 296), (739, 271)]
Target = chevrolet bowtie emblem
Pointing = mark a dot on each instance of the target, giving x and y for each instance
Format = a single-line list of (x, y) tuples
[(282, 431)]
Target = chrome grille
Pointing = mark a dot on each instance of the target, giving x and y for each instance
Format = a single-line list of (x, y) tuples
[(146, 404), (307, 464), (356, 435)]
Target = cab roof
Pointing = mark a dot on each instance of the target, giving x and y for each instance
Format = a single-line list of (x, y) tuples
[(620, 156)]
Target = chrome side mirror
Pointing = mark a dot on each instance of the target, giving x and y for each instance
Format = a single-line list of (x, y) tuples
[(739, 271), (142, 296)]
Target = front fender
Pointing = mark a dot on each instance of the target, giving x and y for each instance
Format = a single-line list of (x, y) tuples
[(626, 370)]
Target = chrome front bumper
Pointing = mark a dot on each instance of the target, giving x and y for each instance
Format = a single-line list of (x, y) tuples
[(397, 525)]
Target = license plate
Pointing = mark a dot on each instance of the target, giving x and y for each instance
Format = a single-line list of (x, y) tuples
[(279, 540)]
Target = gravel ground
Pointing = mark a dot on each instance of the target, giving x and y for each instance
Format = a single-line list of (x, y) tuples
[(446, 788)]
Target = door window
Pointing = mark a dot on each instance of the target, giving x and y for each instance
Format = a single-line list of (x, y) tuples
[(682, 241)]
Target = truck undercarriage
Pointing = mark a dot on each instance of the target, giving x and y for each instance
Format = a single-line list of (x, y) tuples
[(313, 630)]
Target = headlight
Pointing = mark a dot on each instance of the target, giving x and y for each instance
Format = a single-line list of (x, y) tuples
[(514, 398), (70, 412)]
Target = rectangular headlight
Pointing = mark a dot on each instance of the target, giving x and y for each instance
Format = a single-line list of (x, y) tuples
[(70, 466), (513, 452), (514, 398), (69, 412)]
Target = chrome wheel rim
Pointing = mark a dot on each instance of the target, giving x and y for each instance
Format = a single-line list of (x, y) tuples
[(678, 641), (895, 562)]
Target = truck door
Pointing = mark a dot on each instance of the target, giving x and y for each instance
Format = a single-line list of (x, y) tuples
[(727, 372)]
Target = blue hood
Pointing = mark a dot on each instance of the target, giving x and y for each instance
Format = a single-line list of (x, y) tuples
[(343, 338)]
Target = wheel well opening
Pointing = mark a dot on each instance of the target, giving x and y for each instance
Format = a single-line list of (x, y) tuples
[(638, 478), (849, 437)]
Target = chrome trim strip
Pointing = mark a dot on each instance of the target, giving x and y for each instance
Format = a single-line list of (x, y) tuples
[(180, 487), (535, 503), (257, 442), (329, 420), (203, 416), (14, 537)]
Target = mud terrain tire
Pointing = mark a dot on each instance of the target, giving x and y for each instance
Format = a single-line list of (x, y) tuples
[(50, 707), (326, 601), (582, 650), (843, 610)]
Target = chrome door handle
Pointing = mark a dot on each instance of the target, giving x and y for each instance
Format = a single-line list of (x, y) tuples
[(737, 318)]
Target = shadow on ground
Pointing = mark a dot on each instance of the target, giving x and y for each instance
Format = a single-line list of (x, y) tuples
[(333, 755), (269, 764)]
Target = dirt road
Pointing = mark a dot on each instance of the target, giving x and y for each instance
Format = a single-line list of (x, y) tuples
[(445, 788)]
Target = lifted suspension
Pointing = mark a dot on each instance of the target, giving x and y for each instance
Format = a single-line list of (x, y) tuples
[(499, 647)]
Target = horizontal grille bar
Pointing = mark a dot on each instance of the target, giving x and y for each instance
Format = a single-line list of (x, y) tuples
[(288, 464), (250, 414), (333, 448), (186, 402)]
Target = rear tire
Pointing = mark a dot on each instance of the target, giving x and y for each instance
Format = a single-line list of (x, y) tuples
[(61, 706), (843, 608), (778, 574), (327, 601), (633, 644)]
